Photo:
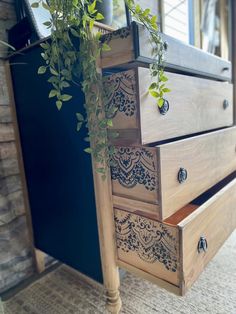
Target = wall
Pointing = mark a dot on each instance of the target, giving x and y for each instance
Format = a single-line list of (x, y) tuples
[(16, 262)]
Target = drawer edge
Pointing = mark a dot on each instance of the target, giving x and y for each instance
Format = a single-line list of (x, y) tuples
[(214, 222), (208, 203), (143, 274)]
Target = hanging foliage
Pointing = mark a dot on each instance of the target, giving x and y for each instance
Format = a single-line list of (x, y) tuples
[(72, 54)]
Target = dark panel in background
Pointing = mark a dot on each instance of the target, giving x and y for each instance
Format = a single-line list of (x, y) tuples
[(58, 172)]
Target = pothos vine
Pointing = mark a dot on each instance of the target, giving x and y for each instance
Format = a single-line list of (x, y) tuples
[(67, 59)]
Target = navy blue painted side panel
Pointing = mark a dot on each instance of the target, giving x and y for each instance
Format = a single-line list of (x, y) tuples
[(58, 172)]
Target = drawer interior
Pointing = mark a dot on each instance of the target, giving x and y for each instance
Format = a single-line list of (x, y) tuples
[(184, 212)]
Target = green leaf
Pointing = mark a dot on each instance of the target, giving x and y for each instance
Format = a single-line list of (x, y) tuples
[(154, 93), (153, 86), (35, 5), (99, 17), (106, 47), (45, 6), (52, 93), (91, 24), (74, 32), (146, 12), (91, 7), (164, 78), (166, 90), (65, 84), (137, 8), (79, 116), (87, 139), (42, 70), (47, 23), (154, 19), (45, 45), (88, 150), (160, 102), (109, 123), (66, 97), (79, 126), (54, 72), (59, 104)]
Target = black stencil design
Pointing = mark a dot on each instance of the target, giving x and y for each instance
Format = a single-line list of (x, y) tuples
[(132, 166), (149, 239), (120, 33), (120, 94)]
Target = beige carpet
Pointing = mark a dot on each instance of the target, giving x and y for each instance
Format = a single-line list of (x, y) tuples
[(61, 292)]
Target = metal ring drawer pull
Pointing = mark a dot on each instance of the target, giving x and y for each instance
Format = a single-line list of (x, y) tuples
[(225, 104), (165, 107), (182, 175), (225, 69), (202, 245)]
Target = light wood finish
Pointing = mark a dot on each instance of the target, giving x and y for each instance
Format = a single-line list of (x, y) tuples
[(150, 174), (40, 261), (140, 273), (106, 231), (133, 45), (215, 220), (146, 247), (136, 207), (189, 112), (207, 158)]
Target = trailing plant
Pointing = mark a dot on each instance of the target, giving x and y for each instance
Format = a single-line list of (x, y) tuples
[(158, 88), (72, 54)]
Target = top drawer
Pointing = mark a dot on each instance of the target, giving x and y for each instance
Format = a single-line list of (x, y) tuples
[(132, 45), (194, 105)]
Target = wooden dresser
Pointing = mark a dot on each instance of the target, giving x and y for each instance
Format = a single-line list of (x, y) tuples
[(173, 171)]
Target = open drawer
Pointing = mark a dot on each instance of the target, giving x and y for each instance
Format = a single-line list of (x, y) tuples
[(173, 253), (132, 46), (194, 105), (160, 180)]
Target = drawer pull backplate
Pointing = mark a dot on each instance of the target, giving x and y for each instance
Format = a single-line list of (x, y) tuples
[(202, 245), (165, 107), (182, 175)]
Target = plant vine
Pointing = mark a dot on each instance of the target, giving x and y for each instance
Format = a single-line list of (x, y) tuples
[(72, 53), (158, 88)]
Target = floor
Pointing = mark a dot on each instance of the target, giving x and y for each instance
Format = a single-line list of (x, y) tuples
[(61, 292)]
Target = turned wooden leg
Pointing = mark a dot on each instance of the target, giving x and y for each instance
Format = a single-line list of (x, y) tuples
[(106, 230), (113, 304), (40, 261)]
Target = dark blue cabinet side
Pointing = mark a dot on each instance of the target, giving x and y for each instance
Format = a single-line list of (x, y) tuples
[(58, 172)]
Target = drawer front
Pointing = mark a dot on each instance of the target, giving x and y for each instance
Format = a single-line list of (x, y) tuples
[(195, 105), (148, 245), (207, 159), (214, 220), (173, 251), (132, 45), (134, 173), (151, 174)]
